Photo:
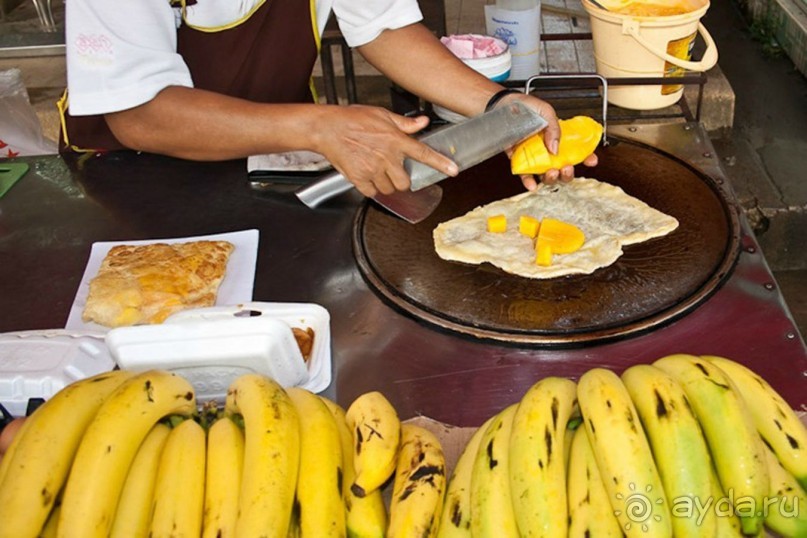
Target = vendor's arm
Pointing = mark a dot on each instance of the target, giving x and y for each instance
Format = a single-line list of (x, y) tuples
[(416, 60)]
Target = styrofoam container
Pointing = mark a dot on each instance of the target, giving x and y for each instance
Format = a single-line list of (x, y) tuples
[(212, 346), (38, 364)]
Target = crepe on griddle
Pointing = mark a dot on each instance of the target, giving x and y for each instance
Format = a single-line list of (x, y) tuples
[(144, 284), (608, 217)]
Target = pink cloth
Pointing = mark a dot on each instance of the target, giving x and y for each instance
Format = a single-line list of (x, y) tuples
[(468, 46)]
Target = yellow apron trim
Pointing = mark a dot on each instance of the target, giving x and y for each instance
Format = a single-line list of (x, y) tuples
[(61, 105), (211, 29), (318, 41)]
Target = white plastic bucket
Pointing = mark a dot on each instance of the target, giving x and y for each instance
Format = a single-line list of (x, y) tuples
[(648, 46)]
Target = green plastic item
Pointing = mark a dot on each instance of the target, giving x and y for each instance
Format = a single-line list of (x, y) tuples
[(10, 173)]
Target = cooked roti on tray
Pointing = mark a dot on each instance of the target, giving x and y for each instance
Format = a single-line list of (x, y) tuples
[(144, 284), (608, 217)]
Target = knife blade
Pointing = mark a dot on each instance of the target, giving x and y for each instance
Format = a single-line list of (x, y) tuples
[(467, 144)]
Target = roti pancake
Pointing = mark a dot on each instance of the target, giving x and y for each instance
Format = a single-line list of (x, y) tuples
[(144, 284), (608, 217)]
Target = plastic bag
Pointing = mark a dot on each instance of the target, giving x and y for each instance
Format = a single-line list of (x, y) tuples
[(20, 130)]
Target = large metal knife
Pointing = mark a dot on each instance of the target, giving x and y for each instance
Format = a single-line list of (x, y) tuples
[(467, 144)]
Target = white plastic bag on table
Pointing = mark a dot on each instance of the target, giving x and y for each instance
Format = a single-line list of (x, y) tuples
[(20, 130)]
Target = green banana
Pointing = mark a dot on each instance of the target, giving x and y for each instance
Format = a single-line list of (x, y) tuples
[(40, 457), (420, 485), (376, 439), (319, 481), (730, 433), (623, 455), (786, 504), (455, 519), (590, 511), (776, 422), (492, 512), (537, 461), (271, 454), (678, 446)]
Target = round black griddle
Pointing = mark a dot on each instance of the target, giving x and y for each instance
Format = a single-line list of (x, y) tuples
[(651, 284)]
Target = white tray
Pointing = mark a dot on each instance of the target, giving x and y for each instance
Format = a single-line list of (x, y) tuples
[(37, 364)]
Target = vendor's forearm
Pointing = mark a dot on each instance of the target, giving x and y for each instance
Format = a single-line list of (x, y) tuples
[(200, 125), (415, 59)]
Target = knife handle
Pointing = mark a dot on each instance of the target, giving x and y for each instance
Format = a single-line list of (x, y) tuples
[(325, 188)]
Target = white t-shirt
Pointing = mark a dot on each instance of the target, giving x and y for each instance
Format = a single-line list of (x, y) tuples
[(121, 54)]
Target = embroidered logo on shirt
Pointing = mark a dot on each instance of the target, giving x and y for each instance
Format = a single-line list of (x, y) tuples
[(94, 49)]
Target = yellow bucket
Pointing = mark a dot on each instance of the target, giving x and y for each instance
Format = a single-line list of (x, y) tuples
[(639, 39)]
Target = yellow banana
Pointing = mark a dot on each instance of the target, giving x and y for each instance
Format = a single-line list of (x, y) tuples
[(773, 417), (786, 505), (537, 460), (110, 444), (491, 502), (5, 459), (271, 454), (455, 518), (420, 485), (366, 516), (42, 452), (590, 511), (729, 430), (679, 449), (133, 515), (376, 438), (179, 491), (51, 526), (225, 466), (623, 455), (319, 481)]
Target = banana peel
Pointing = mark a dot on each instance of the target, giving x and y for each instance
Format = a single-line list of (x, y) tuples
[(579, 137)]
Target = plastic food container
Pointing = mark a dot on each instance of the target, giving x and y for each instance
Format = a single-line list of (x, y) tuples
[(210, 347), (38, 364)]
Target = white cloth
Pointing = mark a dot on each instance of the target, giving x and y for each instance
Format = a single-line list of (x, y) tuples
[(121, 54)]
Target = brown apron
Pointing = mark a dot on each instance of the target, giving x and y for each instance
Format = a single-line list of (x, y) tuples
[(266, 58)]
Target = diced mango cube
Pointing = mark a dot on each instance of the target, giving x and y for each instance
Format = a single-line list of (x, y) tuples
[(564, 238), (528, 226), (543, 253), (497, 224)]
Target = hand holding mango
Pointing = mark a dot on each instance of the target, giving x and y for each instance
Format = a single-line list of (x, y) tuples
[(579, 137)]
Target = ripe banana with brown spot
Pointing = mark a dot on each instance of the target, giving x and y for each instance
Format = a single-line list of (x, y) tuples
[(455, 519), (39, 459), (420, 485), (775, 420), (730, 433), (680, 451), (537, 460), (590, 511), (366, 516), (623, 455), (225, 466), (492, 512), (133, 515), (319, 481), (786, 511), (110, 444), (271, 454), (376, 432), (179, 490)]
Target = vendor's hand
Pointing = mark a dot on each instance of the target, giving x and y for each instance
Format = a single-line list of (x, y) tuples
[(551, 140), (368, 146)]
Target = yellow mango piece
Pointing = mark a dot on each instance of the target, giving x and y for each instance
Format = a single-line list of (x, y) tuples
[(543, 253), (528, 226), (562, 237), (579, 137), (497, 224)]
